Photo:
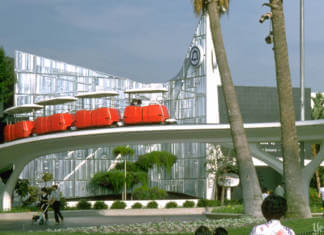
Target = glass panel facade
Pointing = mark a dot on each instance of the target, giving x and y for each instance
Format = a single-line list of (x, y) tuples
[(41, 78)]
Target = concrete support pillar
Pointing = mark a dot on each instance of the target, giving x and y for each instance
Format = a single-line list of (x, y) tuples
[(266, 158), (228, 193), (7, 191)]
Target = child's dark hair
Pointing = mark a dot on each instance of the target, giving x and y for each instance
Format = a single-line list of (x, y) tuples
[(44, 189), (203, 230), (274, 207), (220, 231)]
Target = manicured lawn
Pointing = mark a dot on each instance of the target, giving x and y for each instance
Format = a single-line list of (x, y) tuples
[(298, 225)]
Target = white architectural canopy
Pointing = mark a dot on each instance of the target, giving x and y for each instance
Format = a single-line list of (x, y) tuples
[(20, 152)]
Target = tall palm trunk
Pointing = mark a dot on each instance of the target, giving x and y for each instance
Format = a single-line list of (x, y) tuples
[(296, 198), (250, 184)]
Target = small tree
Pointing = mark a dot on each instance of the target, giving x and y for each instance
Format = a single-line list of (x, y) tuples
[(123, 151), (21, 188), (220, 161), (47, 177), (7, 78), (161, 159)]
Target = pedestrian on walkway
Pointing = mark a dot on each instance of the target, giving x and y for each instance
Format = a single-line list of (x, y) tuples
[(44, 202), (55, 202)]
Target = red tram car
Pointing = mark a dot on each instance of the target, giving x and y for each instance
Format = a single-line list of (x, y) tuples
[(151, 114), (134, 114)]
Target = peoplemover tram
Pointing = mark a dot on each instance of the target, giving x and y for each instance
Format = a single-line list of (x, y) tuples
[(134, 114)]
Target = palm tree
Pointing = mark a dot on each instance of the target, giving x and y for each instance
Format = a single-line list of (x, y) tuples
[(123, 151), (250, 184), (296, 198)]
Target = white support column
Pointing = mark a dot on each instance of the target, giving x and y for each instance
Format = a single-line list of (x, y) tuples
[(6, 193), (228, 193), (309, 170), (267, 158)]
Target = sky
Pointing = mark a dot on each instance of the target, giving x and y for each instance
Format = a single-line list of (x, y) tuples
[(147, 40)]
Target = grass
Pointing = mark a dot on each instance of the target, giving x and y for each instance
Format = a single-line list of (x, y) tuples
[(239, 209), (229, 209), (298, 225)]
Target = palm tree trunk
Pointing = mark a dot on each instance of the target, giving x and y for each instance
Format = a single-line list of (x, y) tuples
[(125, 189), (296, 199), (216, 187), (250, 184), (222, 195)]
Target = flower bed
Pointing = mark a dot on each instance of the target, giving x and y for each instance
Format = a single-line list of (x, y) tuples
[(164, 227)]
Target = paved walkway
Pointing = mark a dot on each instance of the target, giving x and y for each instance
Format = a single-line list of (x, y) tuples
[(87, 218), (111, 212)]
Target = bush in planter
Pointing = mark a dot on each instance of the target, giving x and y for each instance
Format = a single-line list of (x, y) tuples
[(157, 193), (171, 205), (213, 203), (63, 203), (202, 202), (152, 204), (205, 203), (145, 193), (314, 200), (137, 205), (188, 204), (83, 204), (100, 205), (118, 205)]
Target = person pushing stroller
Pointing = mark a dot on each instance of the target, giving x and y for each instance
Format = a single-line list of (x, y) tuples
[(44, 203), (43, 199)]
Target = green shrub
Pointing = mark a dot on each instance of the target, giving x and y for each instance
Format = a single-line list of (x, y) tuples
[(202, 202), (159, 158), (207, 203), (152, 204), (171, 205), (135, 178), (112, 179), (83, 204), (213, 203), (141, 193), (146, 193), (147, 161), (157, 193), (188, 204), (232, 202), (47, 177), (100, 205), (130, 166), (137, 205), (21, 187), (63, 203), (118, 205), (314, 200)]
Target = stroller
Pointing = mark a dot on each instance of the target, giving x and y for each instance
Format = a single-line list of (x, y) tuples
[(40, 219)]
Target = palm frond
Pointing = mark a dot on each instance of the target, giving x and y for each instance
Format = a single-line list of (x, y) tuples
[(223, 5), (198, 6)]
